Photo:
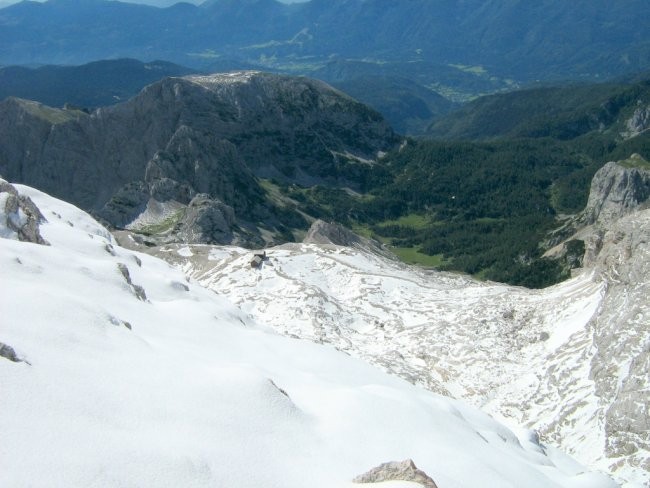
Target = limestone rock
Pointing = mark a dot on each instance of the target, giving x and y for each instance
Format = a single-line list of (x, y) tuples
[(19, 216), (206, 221), (617, 190), (322, 232), (638, 123), (396, 471), (137, 290)]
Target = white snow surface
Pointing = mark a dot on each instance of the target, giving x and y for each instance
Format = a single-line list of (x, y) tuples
[(185, 389), (524, 356)]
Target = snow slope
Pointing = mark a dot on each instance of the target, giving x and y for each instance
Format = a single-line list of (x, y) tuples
[(529, 357), (182, 388)]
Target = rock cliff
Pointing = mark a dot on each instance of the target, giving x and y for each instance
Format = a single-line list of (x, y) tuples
[(180, 137)]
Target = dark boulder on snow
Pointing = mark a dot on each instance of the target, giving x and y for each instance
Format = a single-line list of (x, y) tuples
[(19, 216)]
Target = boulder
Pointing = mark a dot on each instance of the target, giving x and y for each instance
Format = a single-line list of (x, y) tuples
[(397, 471), (20, 218)]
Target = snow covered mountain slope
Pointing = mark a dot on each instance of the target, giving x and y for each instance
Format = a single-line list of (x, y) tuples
[(570, 361), (116, 371)]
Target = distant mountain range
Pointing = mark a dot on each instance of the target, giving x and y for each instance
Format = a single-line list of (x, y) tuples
[(506, 39), (91, 85), (562, 112), (408, 60), (407, 104)]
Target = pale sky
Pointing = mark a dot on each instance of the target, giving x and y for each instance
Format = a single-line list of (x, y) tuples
[(159, 3)]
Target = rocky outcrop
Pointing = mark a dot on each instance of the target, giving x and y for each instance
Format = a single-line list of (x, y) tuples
[(182, 137), (8, 352), (617, 189), (638, 123), (206, 221), (19, 217), (615, 351), (322, 232), (330, 233), (137, 290), (621, 361), (397, 471)]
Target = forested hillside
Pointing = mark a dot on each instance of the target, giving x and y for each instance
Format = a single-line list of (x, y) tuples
[(485, 207)]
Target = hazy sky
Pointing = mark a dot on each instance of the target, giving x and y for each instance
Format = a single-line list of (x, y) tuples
[(159, 3)]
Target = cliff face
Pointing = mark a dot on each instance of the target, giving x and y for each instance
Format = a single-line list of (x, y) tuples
[(617, 189), (613, 347), (181, 137)]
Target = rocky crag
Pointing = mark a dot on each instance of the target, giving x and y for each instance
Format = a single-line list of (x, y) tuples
[(190, 150), (569, 361)]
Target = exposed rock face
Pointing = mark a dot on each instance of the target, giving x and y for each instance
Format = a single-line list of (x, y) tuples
[(397, 471), (639, 122), (621, 333), (205, 221), (182, 137), (137, 290), (616, 190), (19, 216), (322, 232)]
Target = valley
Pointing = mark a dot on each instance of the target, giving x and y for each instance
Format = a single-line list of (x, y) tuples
[(328, 243)]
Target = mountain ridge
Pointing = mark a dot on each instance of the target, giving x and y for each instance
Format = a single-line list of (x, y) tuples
[(180, 137), (468, 34)]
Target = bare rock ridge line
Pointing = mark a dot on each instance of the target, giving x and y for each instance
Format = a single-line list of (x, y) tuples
[(183, 156)]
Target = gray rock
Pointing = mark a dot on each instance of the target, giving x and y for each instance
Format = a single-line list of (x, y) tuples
[(206, 221), (137, 290), (396, 471), (638, 123), (20, 215), (322, 232), (616, 190), (8, 352), (126, 204)]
